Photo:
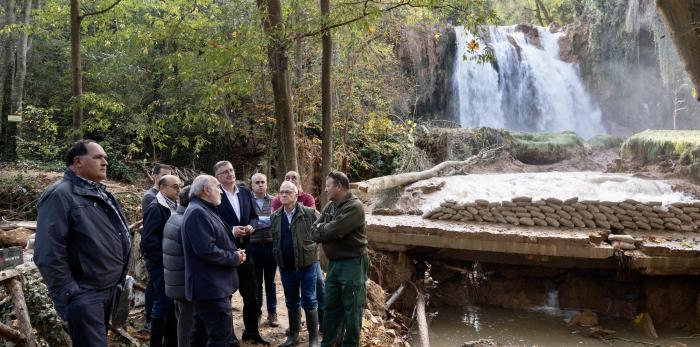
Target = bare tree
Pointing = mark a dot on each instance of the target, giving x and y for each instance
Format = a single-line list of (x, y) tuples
[(327, 144)]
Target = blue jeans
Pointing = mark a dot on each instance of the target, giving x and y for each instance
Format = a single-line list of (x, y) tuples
[(265, 268), (161, 303), (300, 287)]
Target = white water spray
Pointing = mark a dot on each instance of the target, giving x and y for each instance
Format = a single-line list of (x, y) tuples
[(525, 88)]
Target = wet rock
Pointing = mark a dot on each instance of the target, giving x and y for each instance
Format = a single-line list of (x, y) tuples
[(480, 343), (587, 318), (598, 332)]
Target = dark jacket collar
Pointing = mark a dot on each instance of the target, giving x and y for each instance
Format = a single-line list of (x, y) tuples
[(348, 196), (81, 185)]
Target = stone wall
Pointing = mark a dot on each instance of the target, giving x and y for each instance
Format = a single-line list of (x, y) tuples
[(628, 215)]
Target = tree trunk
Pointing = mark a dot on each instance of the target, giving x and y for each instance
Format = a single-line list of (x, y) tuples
[(374, 185), (540, 5), (21, 68), (8, 129), (76, 69), (681, 19), (327, 144), (279, 65), (295, 90)]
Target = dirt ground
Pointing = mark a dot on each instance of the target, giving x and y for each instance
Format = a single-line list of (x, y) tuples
[(273, 334)]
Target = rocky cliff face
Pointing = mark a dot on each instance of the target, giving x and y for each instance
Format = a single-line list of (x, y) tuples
[(427, 54), (630, 94)]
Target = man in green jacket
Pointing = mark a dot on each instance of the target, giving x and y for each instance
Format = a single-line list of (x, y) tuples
[(341, 230), (296, 255)]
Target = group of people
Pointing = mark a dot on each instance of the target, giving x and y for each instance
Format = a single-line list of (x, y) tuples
[(202, 243)]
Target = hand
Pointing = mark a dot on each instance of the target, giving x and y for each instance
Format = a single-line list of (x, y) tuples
[(239, 231), (241, 256), (249, 229)]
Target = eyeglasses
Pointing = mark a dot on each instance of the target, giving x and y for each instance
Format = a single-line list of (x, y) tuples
[(175, 186), (259, 182), (286, 192), (227, 171), (291, 178)]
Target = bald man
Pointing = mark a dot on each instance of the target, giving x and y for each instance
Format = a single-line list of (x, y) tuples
[(304, 198), (163, 321)]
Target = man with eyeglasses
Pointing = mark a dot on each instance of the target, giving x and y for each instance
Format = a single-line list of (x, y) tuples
[(304, 198), (261, 249), (297, 257), (237, 211), (163, 322)]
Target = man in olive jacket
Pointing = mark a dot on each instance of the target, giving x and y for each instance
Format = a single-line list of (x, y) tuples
[(297, 257), (341, 230), (82, 244)]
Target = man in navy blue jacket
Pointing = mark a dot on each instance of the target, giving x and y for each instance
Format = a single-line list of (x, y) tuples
[(82, 244), (211, 262), (236, 209)]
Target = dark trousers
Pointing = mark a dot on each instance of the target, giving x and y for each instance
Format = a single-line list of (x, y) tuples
[(265, 270), (249, 292), (184, 311), (162, 305), (87, 314), (212, 325), (320, 288), (344, 301), (149, 299)]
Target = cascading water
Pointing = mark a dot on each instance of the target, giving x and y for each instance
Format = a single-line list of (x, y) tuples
[(525, 88)]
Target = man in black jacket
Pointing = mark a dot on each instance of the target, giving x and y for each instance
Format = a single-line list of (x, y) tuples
[(237, 210), (211, 262), (158, 171), (157, 214), (82, 244)]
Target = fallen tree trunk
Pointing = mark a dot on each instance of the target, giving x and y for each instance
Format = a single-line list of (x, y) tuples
[(681, 19), (420, 317), (386, 182), (12, 335)]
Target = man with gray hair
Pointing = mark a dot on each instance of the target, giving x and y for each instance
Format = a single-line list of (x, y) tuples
[(211, 263)]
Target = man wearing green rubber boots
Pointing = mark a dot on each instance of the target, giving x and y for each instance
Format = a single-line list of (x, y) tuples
[(341, 230)]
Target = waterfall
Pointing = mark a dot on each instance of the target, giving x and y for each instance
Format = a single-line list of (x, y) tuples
[(526, 87)]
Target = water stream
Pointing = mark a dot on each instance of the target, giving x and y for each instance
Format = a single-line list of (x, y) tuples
[(562, 185), (452, 326), (526, 87)]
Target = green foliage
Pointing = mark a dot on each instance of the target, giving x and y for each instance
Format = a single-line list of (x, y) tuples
[(38, 135), (42, 314), (523, 11), (544, 148), (652, 146), (604, 141)]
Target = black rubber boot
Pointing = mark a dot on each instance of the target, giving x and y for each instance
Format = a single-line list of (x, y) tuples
[(157, 332), (312, 327), (294, 326)]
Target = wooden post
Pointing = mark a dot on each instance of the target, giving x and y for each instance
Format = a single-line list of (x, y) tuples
[(422, 322), (12, 334), (20, 307)]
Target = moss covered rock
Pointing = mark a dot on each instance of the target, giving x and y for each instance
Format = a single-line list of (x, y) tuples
[(604, 141), (441, 144), (652, 146), (545, 148)]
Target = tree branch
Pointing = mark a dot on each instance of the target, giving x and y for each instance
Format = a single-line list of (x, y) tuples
[(349, 21), (95, 13)]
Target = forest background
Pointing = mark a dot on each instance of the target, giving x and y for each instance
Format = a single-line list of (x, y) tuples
[(190, 83)]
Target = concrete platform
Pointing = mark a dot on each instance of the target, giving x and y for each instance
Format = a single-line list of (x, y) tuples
[(659, 254)]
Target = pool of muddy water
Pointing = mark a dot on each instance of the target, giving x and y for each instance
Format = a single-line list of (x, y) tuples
[(453, 326)]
